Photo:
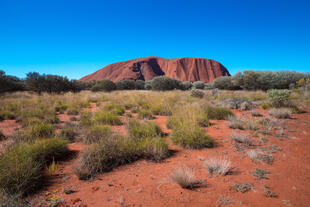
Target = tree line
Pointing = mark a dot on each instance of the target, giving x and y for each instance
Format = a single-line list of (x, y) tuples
[(248, 80)]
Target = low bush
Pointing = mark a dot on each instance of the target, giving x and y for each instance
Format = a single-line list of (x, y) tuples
[(219, 166), (218, 113), (235, 122), (279, 98), (163, 83), (22, 164), (281, 113), (187, 85), (118, 150), (104, 117), (104, 85), (138, 130), (197, 93), (244, 139), (126, 84), (199, 85), (190, 136), (139, 85)]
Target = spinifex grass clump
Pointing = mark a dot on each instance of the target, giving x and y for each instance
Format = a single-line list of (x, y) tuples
[(104, 117), (139, 130), (114, 108), (22, 164), (95, 133), (190, 135), (281, 113), (218, 113), (118, 150), (145, 114)]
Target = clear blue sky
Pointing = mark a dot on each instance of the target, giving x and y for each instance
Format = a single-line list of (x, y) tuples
[(75, 38)]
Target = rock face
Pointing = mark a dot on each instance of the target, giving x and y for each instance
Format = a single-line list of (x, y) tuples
[(185, 69)]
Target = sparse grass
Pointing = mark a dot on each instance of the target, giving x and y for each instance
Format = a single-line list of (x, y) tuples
[(269, 193), (260, 174), (7, 200), (252, 124), (218, 113), (281, 113), (104, 117), (235, 122), (22, 164), (256, 114), (52, 167), (256, 156), (242, 138), (242, 187), (184, 177), (114, 108), (223, 200), (220, 166)]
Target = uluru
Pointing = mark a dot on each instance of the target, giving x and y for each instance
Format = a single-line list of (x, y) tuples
[(146, 68)]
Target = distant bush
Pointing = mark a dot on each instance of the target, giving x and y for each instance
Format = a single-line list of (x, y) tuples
[(199, 85), (104, 85), (10, 83), (164, 83), (187, 85), (139, 85), (259, 80), (126, 84), (278, 98), (197, 93)]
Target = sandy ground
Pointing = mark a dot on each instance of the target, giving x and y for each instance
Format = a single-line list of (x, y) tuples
[(145, 183)]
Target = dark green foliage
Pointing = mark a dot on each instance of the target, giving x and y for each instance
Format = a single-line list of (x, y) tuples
[(10, 83), (199, 85), (224, 82), (22, 165), (50, 83), (187, 85), (163, 83), (218, 113), (139, 85), (126, 84), (104, 85)]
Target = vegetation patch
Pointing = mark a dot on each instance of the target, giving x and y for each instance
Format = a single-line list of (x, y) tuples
[(260, 174), (185, 178), (104, 117), (242, 187), (219, 166), (281, 113), (218, 113)]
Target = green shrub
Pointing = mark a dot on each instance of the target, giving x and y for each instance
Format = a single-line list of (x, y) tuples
[(104, 117), (139, 85), (126, 84), (163, 83), (190, 136), (218, 113), (104, 85), (279, 98), (224, 83), (22, 165), (198, 85), (145, 114), (138, 130), (197, 93), (187, 85), (96, 133), (153, 148)]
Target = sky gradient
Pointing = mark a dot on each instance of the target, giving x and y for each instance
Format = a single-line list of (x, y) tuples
[(74, 38)]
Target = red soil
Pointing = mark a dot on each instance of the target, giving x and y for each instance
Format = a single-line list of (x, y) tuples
[(185, 69), (145, 183)]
